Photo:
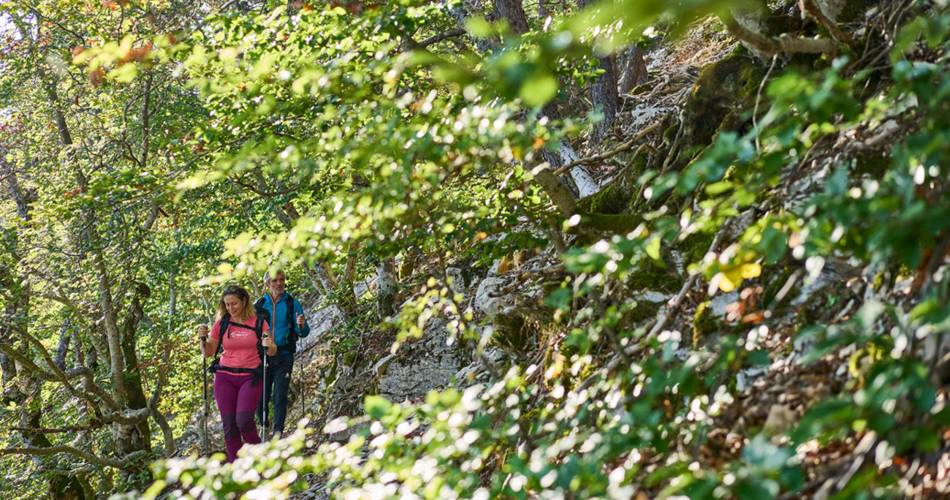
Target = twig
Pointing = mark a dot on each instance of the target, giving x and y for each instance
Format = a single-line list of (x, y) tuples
[(836, 32), (619, 149), (441, 36), (676, 144), (669, 155), (758, 98)]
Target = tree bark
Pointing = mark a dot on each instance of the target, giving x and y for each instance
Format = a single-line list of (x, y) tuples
[(603, 93), (513, 12), (583, 182), (634, 69), (462, 11), (133, 438)]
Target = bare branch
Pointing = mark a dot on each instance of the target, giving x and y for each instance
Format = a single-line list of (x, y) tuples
[(126, 463), (619, 149), (59, 430), (434, 39), (780, 45), (836, 32)]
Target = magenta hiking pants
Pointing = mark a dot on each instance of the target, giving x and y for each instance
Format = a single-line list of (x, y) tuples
[(237, 397)]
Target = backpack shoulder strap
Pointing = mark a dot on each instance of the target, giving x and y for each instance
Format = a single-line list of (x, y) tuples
[(259, 326), (259, 331), (222, 329), (261, 310), (291, 316)]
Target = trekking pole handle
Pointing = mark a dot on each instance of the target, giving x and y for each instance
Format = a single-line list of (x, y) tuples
[(202, 336)]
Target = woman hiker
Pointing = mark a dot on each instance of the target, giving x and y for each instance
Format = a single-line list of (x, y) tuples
[(237, 377)]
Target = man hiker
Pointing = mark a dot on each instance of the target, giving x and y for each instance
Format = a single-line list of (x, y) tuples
[(289, 324)]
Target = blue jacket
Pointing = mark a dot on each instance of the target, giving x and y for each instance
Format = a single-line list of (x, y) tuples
[(280, 325)]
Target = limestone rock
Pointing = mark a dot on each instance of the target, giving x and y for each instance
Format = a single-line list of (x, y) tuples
[(457, 284), (489, 298), (321, 321), (421, 366)]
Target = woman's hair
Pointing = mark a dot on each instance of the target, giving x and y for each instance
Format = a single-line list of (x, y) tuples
[(242, 295)]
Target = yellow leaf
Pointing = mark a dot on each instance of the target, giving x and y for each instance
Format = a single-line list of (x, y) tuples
[(729, 280), (751, 270)]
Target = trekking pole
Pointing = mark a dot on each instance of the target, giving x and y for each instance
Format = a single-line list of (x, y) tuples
[(264, 395), (268, 394), (204, 386)]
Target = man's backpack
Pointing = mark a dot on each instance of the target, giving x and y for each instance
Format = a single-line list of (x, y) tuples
[(223, 329), (263, 311)]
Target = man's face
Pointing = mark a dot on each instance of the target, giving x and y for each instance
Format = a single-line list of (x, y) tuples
[(277, 284)]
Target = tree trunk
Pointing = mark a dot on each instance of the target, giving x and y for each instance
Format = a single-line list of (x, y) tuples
[(91, 240), (127, 391), (513, 12), (463, 10), (634, 69), (584, 184), (603, 95), (133, 438)]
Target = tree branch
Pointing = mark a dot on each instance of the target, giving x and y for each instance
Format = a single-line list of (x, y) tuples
[(438, 38), (96, 424), (783, 44), (836, 32), (126, 463), (619, 149)]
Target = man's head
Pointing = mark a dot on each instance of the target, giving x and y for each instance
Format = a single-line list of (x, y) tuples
[(276, 284)]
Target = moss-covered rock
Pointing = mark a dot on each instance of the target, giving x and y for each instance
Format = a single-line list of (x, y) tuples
[(723, 89), (695, 246)]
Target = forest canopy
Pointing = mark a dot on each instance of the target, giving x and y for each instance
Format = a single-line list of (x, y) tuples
[(696, 248)]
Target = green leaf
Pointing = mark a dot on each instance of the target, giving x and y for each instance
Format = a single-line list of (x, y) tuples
[(377, 406), (538, 89), (479, 27)]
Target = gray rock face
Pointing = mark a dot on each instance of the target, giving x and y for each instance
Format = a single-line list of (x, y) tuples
[(489, 298), (477, 371), (457, 280), (320, 321), (417, 368)]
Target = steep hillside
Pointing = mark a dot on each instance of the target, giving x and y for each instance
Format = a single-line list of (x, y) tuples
[(618, 249)]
